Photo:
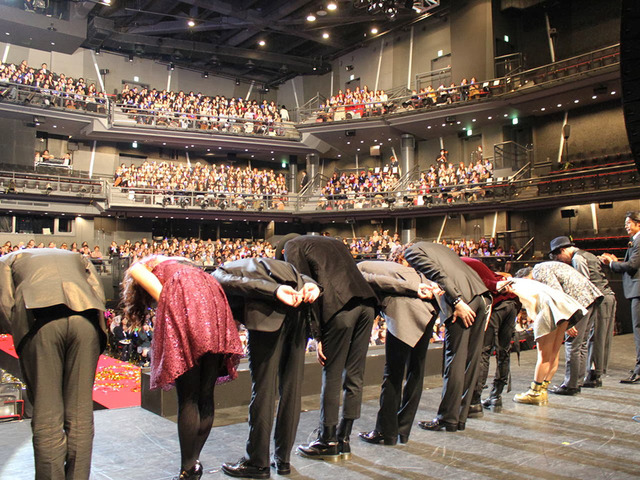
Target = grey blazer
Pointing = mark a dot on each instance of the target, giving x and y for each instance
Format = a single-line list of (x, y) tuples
[(254, 281), (407, 316), (45, 277), (630, 268)]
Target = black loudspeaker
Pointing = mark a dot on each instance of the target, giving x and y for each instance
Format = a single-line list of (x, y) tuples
[(349, 133), (566, 131), (568, 213), (630, 73)]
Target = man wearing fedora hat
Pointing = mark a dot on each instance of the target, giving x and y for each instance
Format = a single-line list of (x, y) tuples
[(593, 341)]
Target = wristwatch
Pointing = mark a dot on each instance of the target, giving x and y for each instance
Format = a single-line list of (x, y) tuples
[(456, 301)]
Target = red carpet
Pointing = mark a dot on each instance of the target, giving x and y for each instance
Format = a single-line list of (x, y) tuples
[(117, 383)]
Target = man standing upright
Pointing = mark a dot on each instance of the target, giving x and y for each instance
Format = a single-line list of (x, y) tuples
[(592, 341), (630, 269), (53, 303), (470, 302), (347, 309)]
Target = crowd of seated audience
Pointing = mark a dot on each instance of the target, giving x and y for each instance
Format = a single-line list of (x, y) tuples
[(197, 111), (366, 189), (57, 90), (429, 96), (223, 185), (445, 182), (359, 103)]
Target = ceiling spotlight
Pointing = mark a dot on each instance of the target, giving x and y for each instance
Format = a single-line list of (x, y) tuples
[(374, 30), (311, 17), (97, 51), (262, 43), (191, 23), (172, 66), (325, 35), (332, 6), (237, 81), (205, 74), (131, 58)]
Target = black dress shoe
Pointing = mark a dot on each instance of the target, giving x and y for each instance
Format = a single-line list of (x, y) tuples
[(593, 383), (403, 438), (377, 438), (564, 390), (475, 411), (461, 426), (436, 425), (320, 450), (283, 468), (243, 469), (633, 378)]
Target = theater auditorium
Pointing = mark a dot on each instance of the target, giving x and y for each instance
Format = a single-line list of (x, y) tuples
[(440, 139)]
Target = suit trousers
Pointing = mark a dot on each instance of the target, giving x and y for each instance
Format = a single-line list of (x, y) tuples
[(345, 341), (276, 361), (575, 351), (599, 343), (462, 348), (635, 319), (498, 334), (59, 365), (398, 406)]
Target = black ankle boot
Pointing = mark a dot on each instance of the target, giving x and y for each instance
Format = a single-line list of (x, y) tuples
[(324, 448), (592, 380), (495, 397), (344, 430)]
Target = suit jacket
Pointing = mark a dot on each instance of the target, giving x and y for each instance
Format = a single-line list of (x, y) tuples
[(444, 267), (254, 282), (630, 268), (589, 266), (45, 277), (407, 315), (329, 262)]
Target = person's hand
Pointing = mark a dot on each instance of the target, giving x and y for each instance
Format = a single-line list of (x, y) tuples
[(464, 313), (425, 291), (504, 286), (320, 354), (572, 332), (310, 292), (607, 258), (289, 295)]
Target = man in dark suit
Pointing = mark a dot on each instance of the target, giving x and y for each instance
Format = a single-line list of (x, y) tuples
[(630, 269), (405, 304), (266, 296), (52, 302), (346, 317), (469, 298)]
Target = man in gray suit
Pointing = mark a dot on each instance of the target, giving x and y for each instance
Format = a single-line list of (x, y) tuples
[(630, 268), (594, 339), (52, 302), (267, 296), (469, 302), (410, 315)]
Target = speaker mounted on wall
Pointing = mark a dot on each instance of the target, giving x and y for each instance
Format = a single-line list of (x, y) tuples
[(630, 73)]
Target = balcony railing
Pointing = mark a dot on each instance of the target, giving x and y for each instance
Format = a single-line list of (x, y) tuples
[(125, 115), (49, 98)]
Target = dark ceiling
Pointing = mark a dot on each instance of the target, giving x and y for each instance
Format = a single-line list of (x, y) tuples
[(226, 34)]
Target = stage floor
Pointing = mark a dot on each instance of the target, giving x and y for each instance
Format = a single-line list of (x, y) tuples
[(590, 436)]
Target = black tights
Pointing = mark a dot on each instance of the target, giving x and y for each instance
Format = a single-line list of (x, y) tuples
[(195, 407)]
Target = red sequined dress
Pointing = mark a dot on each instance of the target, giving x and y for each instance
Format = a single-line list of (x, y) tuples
[(192, 318)]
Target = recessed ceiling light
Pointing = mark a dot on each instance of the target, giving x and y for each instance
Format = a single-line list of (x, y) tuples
[(191, 23), (164, 143), (262, 43), (246, 149), (542, 109), (506, 115), (361, 141), (325, 35), (559, 105), (473, 120), (429, 127), (576, 101), (271, 151), (374, 30), (348, 143), (7, 33), (594, 97), (444, 124), (53, 43), (389, 139), (339, 155), (613, 92), (332, 6), (358, 149), (55, 126), (311, 17), (489, 118), (219, 148), (458, 122)]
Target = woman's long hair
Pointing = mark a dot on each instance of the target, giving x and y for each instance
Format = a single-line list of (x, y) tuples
[(134, 301)]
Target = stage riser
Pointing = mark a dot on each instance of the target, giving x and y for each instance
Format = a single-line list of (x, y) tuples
[(238, 392)]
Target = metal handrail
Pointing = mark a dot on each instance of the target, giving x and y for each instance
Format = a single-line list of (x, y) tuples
[(50, 98)]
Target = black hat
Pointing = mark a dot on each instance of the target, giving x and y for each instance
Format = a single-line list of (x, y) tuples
[(560, 242), (281, 243)]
